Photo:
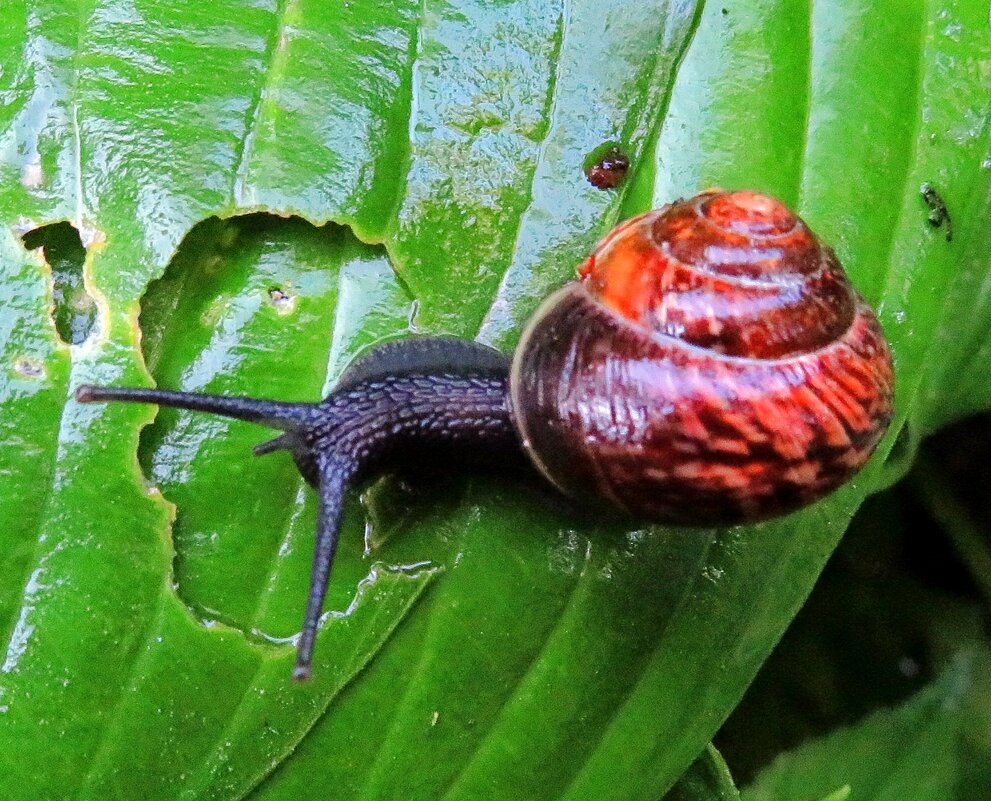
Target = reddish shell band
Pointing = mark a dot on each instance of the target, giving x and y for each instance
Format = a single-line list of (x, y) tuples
[(691, 272)]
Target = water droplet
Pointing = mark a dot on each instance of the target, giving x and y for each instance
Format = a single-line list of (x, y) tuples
[(283, 300), (32, 176), (908, 667), (28, 368)]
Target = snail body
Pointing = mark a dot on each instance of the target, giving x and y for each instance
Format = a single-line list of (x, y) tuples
[(712, 364)]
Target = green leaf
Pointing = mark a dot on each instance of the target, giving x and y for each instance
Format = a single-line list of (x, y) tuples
[(918, 750), (488, 642), (708, 779)]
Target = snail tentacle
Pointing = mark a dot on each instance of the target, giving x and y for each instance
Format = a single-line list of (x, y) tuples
[(287, 416), (335, 478)]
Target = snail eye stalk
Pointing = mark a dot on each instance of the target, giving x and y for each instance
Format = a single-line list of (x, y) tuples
[(334, 481)]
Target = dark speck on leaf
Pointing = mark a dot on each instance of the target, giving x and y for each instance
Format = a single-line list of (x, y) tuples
[(610, 170), (939, 214)]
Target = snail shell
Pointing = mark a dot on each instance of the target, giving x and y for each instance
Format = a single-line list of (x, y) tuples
[(712, 365)]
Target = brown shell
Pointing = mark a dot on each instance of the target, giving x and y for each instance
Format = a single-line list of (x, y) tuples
[(689, 377)]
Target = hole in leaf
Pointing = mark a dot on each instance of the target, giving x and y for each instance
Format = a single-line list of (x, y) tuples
[(74, 311), (262, 306)]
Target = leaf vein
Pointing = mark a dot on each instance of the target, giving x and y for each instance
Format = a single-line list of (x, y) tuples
[(582, 582), (548, 113), (610, 724), (275, 58), (130, 683), (889, 273)]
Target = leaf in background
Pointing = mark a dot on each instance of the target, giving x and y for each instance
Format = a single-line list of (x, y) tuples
[(489, 644), (918, 750), (889, 613), (708, 779)]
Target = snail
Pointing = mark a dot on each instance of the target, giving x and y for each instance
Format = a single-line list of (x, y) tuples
[(711, 365)]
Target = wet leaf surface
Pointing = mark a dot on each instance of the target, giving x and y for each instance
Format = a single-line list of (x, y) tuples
[(484, 640)]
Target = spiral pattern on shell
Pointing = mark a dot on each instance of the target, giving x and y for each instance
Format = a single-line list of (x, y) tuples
[(713, 364)]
